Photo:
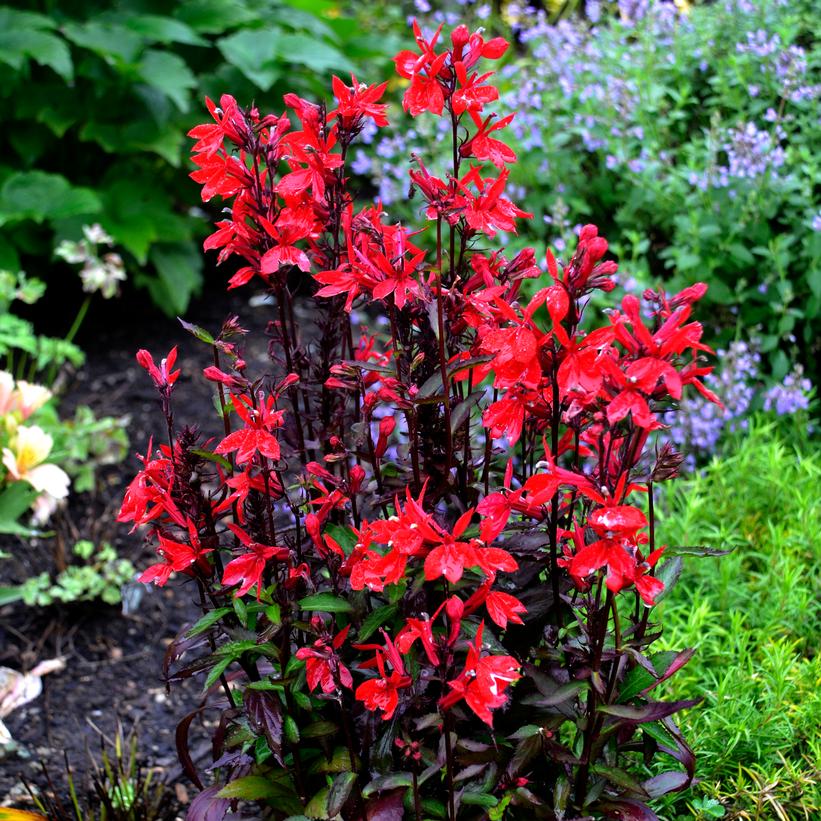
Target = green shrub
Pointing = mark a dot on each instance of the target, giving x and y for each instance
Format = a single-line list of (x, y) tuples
[(96, 103), (754, 617)]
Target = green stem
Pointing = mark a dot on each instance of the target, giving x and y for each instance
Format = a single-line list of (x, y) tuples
[(78, 320), (69, 337)]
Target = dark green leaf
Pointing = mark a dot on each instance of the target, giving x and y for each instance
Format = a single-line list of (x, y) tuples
[(319, 729), (115, 44), (339, 792), (376, 619), (479, 799), (620, 778), (39, 196), (208, 620), (325, 602), (254, 52), (251, 788), (669, 573), (178, 267), (169, 74), (647, 712), (160, 29), (387, 782)]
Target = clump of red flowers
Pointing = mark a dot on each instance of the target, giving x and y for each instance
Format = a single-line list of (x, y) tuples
[(426, 558)]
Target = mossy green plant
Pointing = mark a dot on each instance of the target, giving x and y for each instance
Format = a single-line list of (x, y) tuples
[(754, 617)]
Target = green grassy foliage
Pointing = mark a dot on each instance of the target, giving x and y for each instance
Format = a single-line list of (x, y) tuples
[(755, 618)]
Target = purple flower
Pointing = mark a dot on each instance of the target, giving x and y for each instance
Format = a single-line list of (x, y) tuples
[(791, 396)]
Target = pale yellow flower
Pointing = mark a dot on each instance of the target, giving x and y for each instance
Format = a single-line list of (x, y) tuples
[(25, 461), (28, 398)]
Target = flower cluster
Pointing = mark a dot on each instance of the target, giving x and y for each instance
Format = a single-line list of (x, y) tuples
[(740, 385), (710, 175), (99, 273), (392, 534), (26, 447)]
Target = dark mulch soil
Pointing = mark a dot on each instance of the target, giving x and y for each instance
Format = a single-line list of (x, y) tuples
[(113, 661)]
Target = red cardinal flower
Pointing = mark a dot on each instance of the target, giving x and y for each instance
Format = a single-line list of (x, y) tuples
[(357, 102), (472, 93), (488, 211), (163, 376), (486, 148), (322, 664), (292, 225), (382, 693), (176, 557), (256, 437), (483, 681), (249, 567), (504, 608)]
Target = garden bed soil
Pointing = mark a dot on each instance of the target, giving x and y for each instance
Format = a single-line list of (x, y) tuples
[(113, 661)]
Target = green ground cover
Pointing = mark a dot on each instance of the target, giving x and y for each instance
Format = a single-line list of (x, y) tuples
[(754, 617)]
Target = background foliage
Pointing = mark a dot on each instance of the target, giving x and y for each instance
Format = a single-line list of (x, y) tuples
[(96, 102)]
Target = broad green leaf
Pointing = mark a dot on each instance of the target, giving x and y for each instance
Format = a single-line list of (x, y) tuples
[(326, 602), (115, 44), (178, 268), (138, 214), (339, 792), (387, 782), (312, 53), (340, 762), (141, 135), (479, 799), (634, 682), (160, 29), (255, 53), (15, 500), (209, 17), (343, 535), (318, 805), (19, 44), (669, 573), (14, 19), (38, 195), (319, 729), (170, 74)]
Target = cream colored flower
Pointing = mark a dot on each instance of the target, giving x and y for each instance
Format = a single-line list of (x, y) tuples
[(31, 446), (28, 398)]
